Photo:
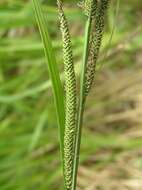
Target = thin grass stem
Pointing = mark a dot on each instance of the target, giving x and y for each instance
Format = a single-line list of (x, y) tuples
[(81, 101)]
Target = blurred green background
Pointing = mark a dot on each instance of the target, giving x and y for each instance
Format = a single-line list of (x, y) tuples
[(111, 153)]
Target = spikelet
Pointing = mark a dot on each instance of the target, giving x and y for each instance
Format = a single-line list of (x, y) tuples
[(95, 43), (87, 6), (70, 86)]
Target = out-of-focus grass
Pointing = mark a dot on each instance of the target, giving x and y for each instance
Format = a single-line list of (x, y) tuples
[(29, 146)]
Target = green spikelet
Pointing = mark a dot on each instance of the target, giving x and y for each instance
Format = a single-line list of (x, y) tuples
[(70, 86), (95, 44), (87, 6)]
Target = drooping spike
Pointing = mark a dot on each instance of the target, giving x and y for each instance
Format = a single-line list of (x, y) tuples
[(95, 43), (88, 6), (70, 87)]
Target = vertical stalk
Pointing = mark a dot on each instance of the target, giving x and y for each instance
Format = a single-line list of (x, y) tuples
[(82, 99), (99, 16)]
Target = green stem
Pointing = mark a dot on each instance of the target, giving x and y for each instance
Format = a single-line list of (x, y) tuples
[(82, 99)]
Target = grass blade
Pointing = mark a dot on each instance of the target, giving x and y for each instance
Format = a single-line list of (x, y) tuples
[(38, 131), (53, 70)]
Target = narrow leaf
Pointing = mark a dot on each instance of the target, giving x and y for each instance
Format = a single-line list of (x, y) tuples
[(53, 69)]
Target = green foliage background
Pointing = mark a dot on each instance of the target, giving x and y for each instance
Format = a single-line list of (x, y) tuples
[(29, 145)]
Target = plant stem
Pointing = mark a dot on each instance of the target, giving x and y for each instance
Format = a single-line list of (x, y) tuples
[(82, 99)]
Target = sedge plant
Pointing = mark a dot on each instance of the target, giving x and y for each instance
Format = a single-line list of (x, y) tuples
[(70, 111)]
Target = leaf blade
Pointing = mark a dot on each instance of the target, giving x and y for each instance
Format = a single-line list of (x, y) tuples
[(53, 70)]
